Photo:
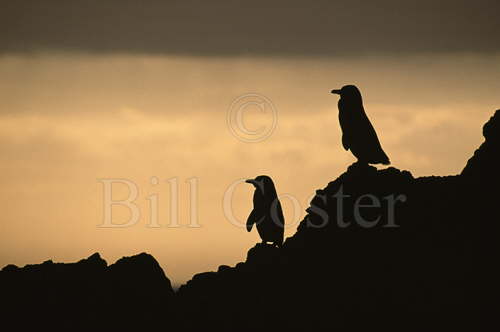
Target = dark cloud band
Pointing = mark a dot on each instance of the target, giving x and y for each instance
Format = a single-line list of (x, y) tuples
[(292, 27)]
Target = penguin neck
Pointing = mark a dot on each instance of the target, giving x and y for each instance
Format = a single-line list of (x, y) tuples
[(266, 199), (355, 102)]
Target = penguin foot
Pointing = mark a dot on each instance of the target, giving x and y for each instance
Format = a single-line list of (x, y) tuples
[(361, 163)]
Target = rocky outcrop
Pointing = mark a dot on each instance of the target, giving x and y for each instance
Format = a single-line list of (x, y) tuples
[(132, 292), (484, 163), (376, 248)]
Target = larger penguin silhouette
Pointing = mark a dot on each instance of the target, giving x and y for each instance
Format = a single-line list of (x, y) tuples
[(358, 134), (267, 214)]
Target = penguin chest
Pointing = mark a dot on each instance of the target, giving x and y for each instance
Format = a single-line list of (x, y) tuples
[(356, 129)]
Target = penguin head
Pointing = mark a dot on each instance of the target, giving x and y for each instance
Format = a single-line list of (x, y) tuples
[(264, 183), (349, 92)]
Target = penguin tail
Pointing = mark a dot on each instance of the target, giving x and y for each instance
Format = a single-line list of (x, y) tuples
[(279, 243), (384, 160)]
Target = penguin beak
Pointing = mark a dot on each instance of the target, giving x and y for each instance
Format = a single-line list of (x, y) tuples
[(257, 184), (337, 92), (252, 181)]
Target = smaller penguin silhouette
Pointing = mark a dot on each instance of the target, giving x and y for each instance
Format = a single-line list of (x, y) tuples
[(358, 134), (267, 214)]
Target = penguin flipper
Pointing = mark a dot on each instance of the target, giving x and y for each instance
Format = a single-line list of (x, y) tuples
[(253, 218)]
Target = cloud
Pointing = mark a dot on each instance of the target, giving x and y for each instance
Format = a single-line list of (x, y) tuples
[(293, 27), (179, 85)]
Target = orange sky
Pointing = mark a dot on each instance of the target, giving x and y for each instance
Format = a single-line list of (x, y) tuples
[(68, 120)]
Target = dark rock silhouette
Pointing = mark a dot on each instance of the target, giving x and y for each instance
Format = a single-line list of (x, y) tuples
[(358, 134), (486, 159), (417, 265), (266, 214), (423, 257), (132, 292)]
